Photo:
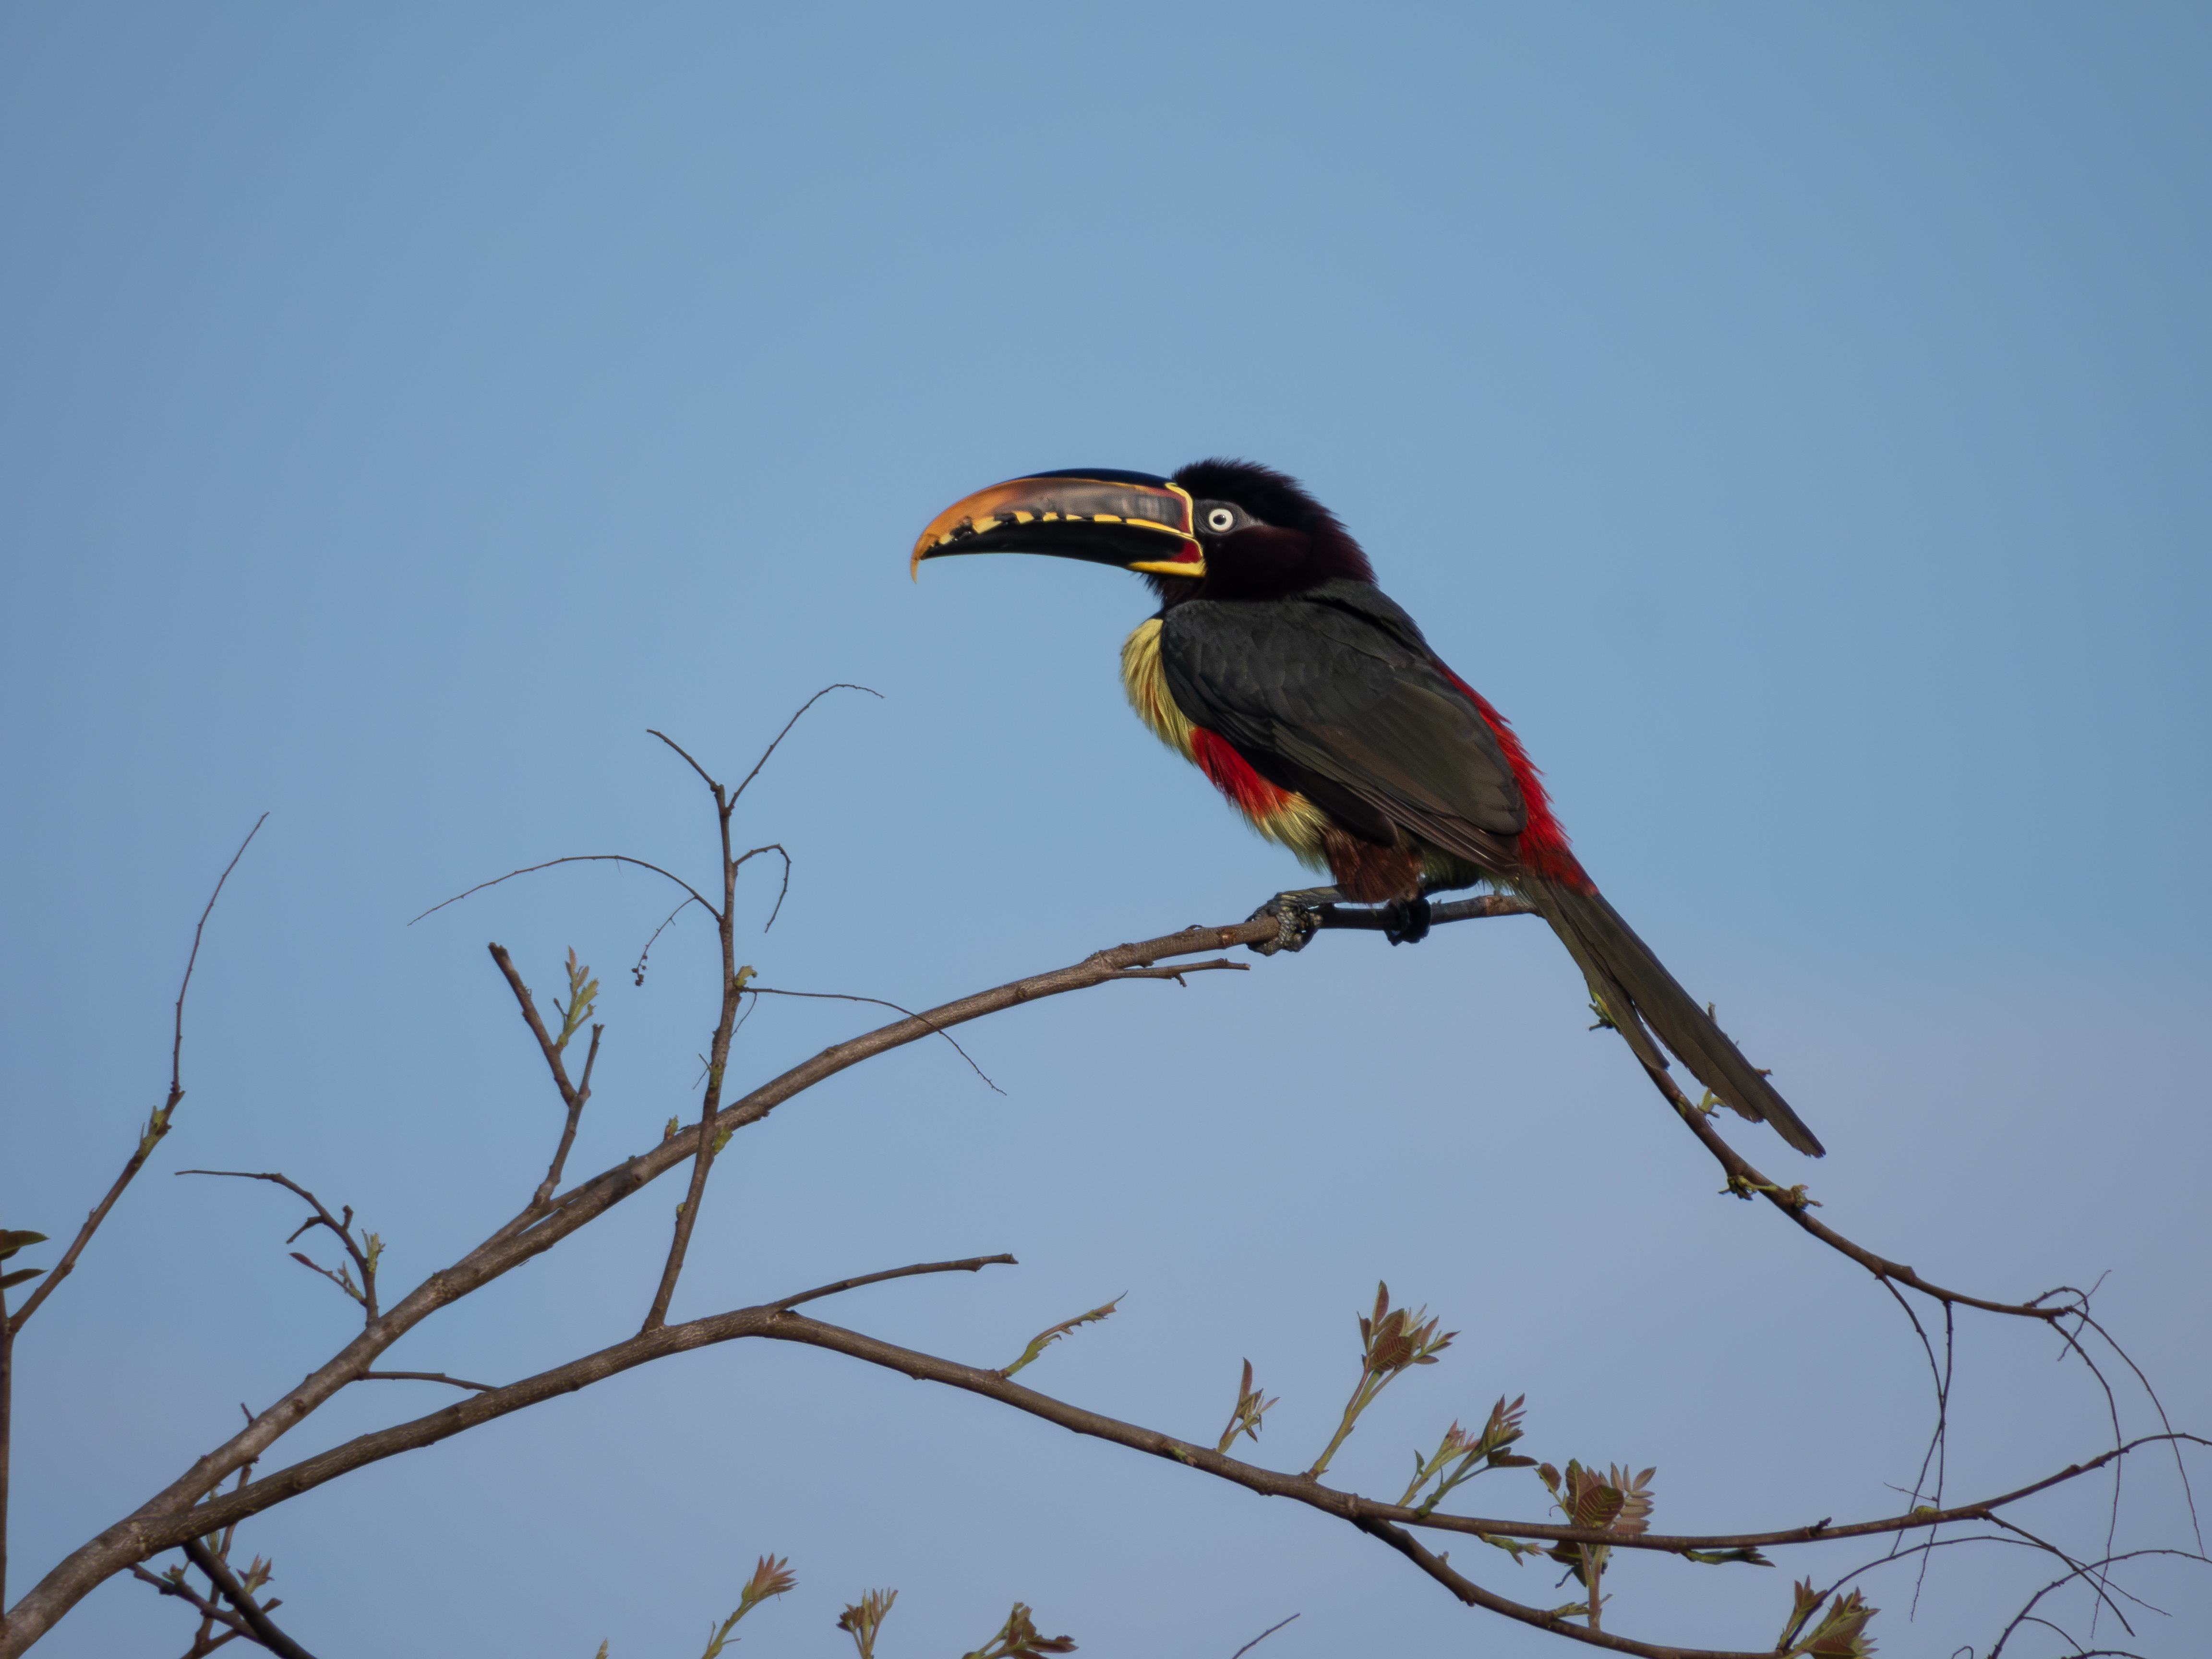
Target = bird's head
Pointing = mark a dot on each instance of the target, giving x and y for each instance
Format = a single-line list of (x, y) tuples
[(1218, 529)]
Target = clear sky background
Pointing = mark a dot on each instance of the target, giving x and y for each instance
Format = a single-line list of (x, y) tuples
[(1793, 418)]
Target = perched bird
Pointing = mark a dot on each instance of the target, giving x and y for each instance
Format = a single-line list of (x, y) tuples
[(1278, 668)]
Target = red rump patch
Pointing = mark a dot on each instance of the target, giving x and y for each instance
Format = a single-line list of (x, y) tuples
[(1232, 775), (1543, 844)]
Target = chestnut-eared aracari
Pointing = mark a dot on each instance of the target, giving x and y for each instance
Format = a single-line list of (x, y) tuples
[(1313, 703)]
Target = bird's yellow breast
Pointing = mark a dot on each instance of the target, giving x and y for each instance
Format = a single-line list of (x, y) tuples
[(1146, 685), (1282, 816)]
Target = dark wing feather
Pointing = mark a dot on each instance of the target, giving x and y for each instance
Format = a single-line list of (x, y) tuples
[(1336, 684)]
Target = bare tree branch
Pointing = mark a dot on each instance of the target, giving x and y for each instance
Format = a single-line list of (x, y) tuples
[(707, 1141), (783, 892), (1475, 1595), (972, 1264), (1997, 1648), (552, 1181), (425, 1376), (776, 1322), (841, 685), (235, 1593), (573, 858), (122, 1542), (1261, 1637), (206, 1608), (637, 968), (847, 996), (687, 761), (322, 1218), (570, 1096), (1745, 1181), (159, 1126), (179, 1511)]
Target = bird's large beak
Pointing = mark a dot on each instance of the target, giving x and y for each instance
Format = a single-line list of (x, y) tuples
[(1106, 516)]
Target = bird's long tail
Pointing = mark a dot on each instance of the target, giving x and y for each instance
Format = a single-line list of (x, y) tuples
[(1634, 991)]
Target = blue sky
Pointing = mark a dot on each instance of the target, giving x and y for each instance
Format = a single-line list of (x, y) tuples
[(1793, 418)]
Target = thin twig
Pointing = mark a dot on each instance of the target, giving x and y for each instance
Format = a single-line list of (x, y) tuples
[(707, 1143), (1475, 1595), (842, 996), (235, 1593), (637, 968), (2099, 1582), (1745, 1179), (160, 1124), (2072, 1339), (1997, 1647), (548, 1186), (972, 1264), (840, 685), (1937, 1454), (1927, 1547), (783, 892), (322, 1218), (177, 1041), (1217, 965), (1261, 1637), (202, 1644), (573, 858), (546, 1046), (2156, 1405), (573, 1095), (205, 1608), (425, 1376), (687, 761)]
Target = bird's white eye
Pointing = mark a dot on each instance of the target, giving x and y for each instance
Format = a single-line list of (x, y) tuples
[(1220, 520)]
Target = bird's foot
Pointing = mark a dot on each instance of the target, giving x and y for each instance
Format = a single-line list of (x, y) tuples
[(1297, 916), (1407, 921)]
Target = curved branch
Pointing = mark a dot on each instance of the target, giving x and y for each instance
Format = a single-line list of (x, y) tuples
[(687, 761), (1261, 1637), (969, 1264), (783, 892), (177, 1044), (1743, 1178), (776, 1322), (840, 685), (573, 858), (322, 1218), (2021, 1617), (1474, 1596), (637, 968), (2157, 1405), (847, 996)]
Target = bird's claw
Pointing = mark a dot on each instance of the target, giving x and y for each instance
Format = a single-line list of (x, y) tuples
[(1295, 923), (1407, 922)]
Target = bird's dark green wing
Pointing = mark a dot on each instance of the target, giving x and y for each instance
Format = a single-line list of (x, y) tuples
[(1334, 691)]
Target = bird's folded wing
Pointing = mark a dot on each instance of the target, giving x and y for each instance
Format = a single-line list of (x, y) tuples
[(1343, 692)]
